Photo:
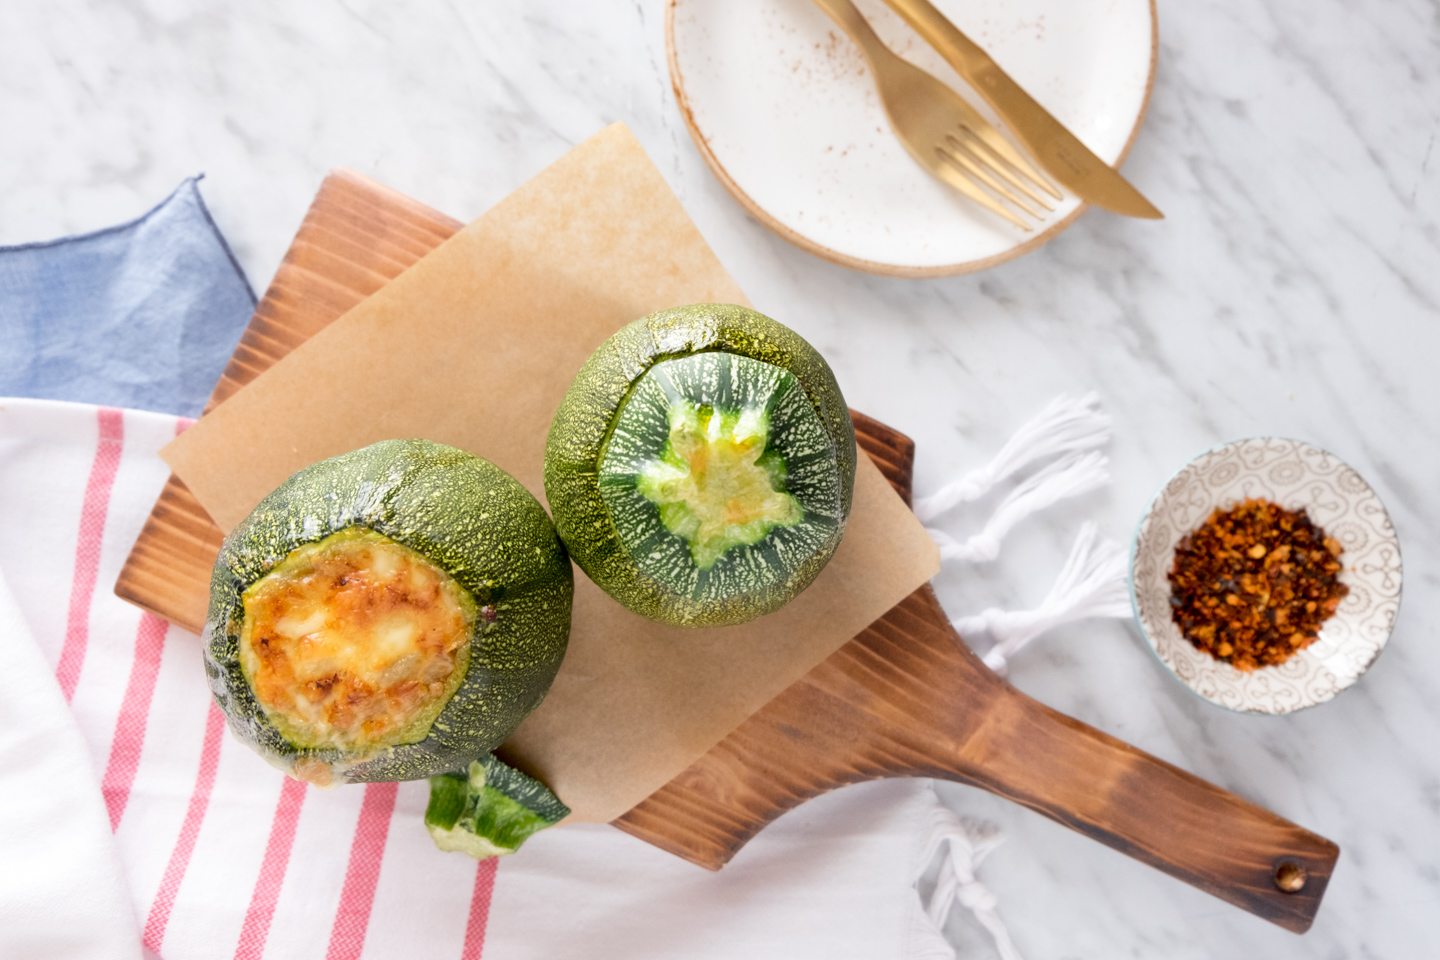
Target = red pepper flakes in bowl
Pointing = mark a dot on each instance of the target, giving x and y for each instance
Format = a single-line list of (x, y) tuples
[(1253, 584)]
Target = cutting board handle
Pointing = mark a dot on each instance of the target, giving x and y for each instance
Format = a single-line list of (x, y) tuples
[(907, 698), (1140, 805)]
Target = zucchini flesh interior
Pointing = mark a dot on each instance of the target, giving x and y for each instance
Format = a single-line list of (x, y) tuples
[(719, 476), (355, 642), (716, 484), (489, 810)]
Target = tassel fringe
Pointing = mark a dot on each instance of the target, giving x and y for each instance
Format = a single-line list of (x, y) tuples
[(969, 843), (1093, 583), (1069, 477), (1066, 425)]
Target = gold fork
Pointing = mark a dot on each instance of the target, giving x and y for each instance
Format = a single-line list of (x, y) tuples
[(945, 134)]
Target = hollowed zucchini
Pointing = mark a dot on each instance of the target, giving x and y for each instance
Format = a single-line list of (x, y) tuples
[(701, 466)]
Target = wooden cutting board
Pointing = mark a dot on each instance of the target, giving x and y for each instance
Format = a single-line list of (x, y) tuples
[(905, 698)]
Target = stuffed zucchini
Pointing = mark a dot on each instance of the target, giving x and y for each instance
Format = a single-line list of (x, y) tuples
[(388, 614), (701, 466)]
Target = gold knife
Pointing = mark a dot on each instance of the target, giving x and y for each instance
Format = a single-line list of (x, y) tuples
[(1058, 150)]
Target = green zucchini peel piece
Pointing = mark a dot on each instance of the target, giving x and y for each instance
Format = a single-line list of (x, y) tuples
[(489, 810)]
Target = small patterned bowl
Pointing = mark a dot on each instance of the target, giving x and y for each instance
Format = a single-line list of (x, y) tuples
[(1294, 475)]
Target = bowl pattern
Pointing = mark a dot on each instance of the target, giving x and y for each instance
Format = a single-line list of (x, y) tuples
[(1294, 475)]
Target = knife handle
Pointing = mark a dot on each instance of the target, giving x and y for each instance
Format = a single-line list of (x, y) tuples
[(1031, 122), (1058, 150), (962, 53)]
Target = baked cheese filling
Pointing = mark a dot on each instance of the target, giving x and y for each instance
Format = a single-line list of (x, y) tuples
[(355, 643)]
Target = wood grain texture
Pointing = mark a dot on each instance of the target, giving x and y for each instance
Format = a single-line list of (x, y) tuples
[(905, 698)]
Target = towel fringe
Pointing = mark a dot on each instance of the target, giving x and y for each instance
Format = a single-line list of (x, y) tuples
[(1093, 583), (1066, 425), (1094, 580), (1068, 477), (969, 842)]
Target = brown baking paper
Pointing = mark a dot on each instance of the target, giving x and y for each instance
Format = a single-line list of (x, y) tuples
[(475, 346)]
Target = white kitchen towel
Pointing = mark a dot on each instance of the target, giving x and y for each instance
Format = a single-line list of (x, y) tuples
[(55, 838), (224, 857)]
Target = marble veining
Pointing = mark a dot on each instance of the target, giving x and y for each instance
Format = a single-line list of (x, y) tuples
[(1293, 290)]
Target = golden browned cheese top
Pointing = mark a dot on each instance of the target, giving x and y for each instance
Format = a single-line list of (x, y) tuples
[(355, 642)]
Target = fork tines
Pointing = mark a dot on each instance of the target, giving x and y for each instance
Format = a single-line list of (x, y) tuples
[(1002, 179)]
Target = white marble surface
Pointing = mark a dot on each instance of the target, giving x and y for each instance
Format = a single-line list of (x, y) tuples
[(1294, 289)]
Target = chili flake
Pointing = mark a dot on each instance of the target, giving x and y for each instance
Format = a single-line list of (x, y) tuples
[(1253, 584)]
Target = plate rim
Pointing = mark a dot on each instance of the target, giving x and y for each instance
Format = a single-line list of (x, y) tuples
[(870, 266)]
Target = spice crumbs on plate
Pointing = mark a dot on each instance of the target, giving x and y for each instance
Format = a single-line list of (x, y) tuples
[(1253, 584)]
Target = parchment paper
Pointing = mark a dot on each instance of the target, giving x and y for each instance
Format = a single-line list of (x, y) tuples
[(475, 346)]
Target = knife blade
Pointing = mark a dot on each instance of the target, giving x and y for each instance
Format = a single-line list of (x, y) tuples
[(1056, 149)]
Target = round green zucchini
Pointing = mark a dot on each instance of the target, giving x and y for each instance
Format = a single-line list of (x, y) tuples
[(388, 614), (701, 466)]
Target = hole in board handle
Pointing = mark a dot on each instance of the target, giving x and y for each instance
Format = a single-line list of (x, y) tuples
[(1290, 877)]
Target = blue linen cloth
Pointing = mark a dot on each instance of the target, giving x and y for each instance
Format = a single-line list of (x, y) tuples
[(142, 315)]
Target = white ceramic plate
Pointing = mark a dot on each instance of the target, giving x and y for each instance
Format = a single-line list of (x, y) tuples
[(783, 108), (1337, 499)]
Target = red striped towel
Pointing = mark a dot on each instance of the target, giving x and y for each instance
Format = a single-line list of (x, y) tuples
[(223, 857)]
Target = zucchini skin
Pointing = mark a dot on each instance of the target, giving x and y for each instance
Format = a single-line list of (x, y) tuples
[(586, 416), (489, 809), (464, 514)]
